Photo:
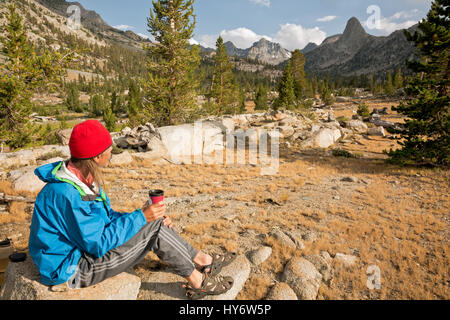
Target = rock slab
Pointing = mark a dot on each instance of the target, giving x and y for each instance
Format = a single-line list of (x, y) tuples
[(302, 276), (164, 285), (281, 291), (22, 283)]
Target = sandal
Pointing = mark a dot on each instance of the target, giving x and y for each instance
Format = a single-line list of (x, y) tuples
[(210, 286), (219, 261)]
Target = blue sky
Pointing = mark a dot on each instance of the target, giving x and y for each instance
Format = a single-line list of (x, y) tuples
[(292, 23)]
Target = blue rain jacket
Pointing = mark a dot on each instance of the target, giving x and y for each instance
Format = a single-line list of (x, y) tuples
[(67, 221)]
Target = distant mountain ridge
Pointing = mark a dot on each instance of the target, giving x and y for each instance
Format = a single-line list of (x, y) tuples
[(353, 52), (356, 52), (94, 22), (263, 51)]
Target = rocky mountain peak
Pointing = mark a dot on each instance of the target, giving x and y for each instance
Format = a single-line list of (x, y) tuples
[(310, 46), (268, 52), (354, 31)]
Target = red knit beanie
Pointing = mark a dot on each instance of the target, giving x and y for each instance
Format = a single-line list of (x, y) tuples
[(89, 139)]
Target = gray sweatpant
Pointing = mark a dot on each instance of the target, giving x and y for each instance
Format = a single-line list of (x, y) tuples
[(164, 242)]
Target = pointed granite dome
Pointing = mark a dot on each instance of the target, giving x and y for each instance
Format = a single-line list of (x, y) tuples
[(354, 32)]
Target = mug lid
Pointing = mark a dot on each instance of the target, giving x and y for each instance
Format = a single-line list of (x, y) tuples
[(18, 257), (5, 243)]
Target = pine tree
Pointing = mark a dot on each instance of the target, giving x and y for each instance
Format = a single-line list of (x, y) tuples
[(426, 138), (223, 90), (23, 74), (134, 105), (261, 98), (114, 102), (73, 99), (373, 84), (286, 98), (109, 118), (398, 79), (242, 100), (388, 86), (298, 73), (96, 105), (170, 85), (325, 94)]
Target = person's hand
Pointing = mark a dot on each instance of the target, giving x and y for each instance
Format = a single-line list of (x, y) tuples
[(154, 212), (168, 222)]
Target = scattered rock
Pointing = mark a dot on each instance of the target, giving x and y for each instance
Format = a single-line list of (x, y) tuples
[(309, 236), (331, 117), (323, 138), (281, 291), (324, 254), (385, 124), (283, 238), (296, 238), (122, 158), (303, 278), (259, 256), (384, 111), (28, 181), (229, 217), (17, 159), (350, 179), (64, 136), (43, 151), (322, 265), (286, 131), (378, 131), (347, 259), (343, 99), (357, 125)]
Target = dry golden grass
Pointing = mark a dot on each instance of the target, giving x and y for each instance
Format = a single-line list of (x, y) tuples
[(399, 226), (16, 213), (6, 188), (281, 254), (397, 220), (256, 288)]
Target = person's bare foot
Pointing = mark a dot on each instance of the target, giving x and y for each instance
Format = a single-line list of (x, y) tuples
[(202, 259), (195, 279)]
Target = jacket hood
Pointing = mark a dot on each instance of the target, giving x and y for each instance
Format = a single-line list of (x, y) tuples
[(45, 172), (58, 172)]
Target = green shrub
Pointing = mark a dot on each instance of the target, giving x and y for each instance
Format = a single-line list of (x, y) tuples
[(363, 110), (343, 153), (51, 154)]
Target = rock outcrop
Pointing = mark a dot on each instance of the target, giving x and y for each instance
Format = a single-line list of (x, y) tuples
[(22, 283)]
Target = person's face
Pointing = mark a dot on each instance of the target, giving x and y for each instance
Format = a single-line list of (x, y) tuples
[(103, 159)]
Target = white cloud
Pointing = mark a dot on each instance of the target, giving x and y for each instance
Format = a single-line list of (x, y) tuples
[(292, 36), (242, 37), (193, 42), (123, 27), (327, 19), (394, 23), (265, 3), (143, 35), (405, 14), (207, 40)]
